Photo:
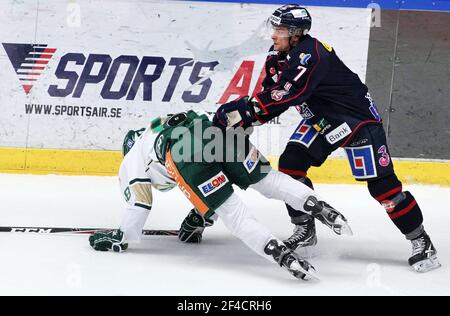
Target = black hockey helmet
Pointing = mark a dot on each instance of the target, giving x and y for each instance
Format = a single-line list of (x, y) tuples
[(176, 119), (296, 18)]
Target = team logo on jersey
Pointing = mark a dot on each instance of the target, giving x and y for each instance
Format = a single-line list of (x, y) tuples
[(304, 58), (29, 61), (213, 184), (338, 133), (158, 147), (373, 107), (322, 125), (252, 159), (304, 111), (305, 134), (277, 95), (362, 162)]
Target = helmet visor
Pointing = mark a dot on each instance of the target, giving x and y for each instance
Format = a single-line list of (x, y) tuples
[(274, 30)]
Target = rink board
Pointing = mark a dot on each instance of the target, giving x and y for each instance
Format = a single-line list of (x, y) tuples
[(74, 162), (155, 57), (198, 73)]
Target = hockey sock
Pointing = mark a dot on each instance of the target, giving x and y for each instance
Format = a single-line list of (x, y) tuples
[(401, 206)]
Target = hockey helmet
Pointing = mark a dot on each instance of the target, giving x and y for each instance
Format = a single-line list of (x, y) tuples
[(176, 119), (292, 16)]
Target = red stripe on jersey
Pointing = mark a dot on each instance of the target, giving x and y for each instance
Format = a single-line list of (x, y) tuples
[(349, 137), (261, 105), (293, 172)]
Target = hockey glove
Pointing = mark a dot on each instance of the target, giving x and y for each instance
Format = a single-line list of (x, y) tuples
[(191, 230), (238, 113), (111, 240)]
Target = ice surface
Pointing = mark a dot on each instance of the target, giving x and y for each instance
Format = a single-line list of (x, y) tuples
[(372, 262)]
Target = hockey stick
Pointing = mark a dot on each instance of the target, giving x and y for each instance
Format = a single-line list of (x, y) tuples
[(79, 231)]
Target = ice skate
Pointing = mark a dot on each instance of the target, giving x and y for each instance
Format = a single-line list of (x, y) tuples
[(327, 215), (424, 255), (304, 235), (290, 261)]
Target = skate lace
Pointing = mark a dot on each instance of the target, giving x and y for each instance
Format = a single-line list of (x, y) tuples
[(418, 245), (299, 232)]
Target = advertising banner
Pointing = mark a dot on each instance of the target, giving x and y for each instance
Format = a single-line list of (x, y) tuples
[(79, 74)]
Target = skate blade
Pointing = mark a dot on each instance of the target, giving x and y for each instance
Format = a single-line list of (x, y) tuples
[(310, 275), (427, 265), (341, 227)]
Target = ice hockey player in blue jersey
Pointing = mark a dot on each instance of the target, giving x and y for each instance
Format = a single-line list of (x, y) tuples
[(337, 111)]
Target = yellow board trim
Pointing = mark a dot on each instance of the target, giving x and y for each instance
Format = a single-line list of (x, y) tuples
[(337, 170), (64, 162), (106, 163)]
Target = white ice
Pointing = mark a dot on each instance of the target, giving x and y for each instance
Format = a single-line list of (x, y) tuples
[(372, 262)]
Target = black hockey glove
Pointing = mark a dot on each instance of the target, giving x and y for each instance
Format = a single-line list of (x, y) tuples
[(191, 230), (110, 240), (238, 113)]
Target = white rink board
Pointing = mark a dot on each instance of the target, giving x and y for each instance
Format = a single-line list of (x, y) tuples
[(219, 34)]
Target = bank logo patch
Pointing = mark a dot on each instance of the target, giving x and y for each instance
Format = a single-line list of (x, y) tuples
[(213, 184), (338, 133), (29, 61)]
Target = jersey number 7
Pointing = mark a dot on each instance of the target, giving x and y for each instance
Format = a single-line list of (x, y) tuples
[(302, 71)]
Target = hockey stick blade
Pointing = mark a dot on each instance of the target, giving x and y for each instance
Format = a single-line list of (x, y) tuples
[(79, 231)]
